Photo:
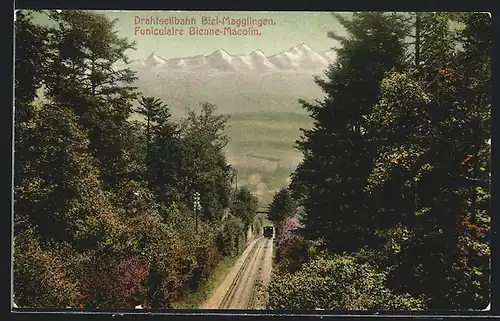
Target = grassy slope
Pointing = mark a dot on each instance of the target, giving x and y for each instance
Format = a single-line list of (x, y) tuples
[(262, 149), (266, 117)]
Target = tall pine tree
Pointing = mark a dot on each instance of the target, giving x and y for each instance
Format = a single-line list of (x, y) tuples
[(83, 54), (337, 151)]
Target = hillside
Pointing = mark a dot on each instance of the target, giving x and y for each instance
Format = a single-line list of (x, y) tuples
[(262, 150), (259, 92)]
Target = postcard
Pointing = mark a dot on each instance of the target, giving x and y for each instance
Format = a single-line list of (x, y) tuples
[(268, 161)]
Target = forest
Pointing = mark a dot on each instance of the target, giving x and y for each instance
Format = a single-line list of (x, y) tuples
[(390, 207), (112, 212)]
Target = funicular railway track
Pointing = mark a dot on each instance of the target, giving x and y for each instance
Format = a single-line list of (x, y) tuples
[(245, 285), (244, 281)]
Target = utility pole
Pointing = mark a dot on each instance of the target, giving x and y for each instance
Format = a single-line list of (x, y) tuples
[(196, 207)]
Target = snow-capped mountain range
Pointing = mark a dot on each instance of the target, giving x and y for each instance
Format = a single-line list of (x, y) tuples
[(299, 58)]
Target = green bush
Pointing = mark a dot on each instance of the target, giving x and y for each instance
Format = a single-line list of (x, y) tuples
[(169, 272), (41, 276), (336, 283), (207, 256), (182, 257), (168, 255), (258, 224), (231, 237)]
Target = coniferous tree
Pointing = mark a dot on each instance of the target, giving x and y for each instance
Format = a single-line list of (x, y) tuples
[(135, 150), (204, 166), (165, 156), (83, 54), (337, 152), (431, 131), (29, 66), (149, 108), (281, 207)]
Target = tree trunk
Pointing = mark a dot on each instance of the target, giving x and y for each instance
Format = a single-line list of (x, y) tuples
[(417, 41)]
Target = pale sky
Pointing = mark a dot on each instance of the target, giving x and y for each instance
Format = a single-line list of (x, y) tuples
[(289, 29)]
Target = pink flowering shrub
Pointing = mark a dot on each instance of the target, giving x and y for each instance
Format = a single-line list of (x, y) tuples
[(292, 249), (287, 229)]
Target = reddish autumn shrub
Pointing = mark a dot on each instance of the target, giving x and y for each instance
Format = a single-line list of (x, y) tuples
[(176, 271), (167, 275), (152, 258), (116, 282), (292, 254), (475, 230), (196, 253)]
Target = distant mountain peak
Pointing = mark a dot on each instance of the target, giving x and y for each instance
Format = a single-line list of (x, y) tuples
[(300, 57), (257, 54), (303, 45), (220, 51)]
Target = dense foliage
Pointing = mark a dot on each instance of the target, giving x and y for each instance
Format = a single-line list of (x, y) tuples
[(396, 172), (292, 249), (393, 190), (103, 204), (245, 204), (336, 283), (281, 207)]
